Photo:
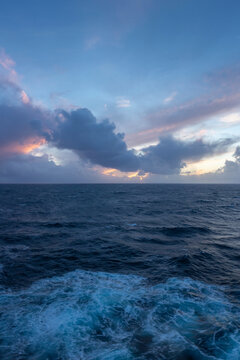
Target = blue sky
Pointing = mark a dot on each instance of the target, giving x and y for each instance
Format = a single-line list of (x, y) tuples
[(153, 68)]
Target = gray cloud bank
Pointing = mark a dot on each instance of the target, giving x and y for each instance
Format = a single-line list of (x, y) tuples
[(28, 169), (94, 142), (98, 143)]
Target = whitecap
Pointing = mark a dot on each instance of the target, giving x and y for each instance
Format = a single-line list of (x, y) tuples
[(99, 316)]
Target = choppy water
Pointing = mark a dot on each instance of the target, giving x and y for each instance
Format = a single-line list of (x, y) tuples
[(119, 272)]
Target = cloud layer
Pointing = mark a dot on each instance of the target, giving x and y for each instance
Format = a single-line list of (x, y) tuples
[(98, 143), (95, 142), (221, 96), (24, 125)]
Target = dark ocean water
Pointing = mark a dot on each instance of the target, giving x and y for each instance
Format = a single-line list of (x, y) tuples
[(119, 272)]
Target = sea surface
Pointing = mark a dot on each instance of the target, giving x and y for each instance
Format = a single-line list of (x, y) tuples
[(119, 272)]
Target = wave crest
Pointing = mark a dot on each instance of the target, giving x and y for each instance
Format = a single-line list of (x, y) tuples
[(101, 316)]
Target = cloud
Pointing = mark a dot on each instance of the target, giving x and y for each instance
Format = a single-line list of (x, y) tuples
[(25, 126), (170, 154), (10, 89), (8, 65), (21, 124), (92, 42), (25, 98), (25, 168), (224, 80), (170, 98), (231, 118), (229, 173), (221, 96), (98, 143), (123, 103), (237, 153), (171, 119), (231, 170)]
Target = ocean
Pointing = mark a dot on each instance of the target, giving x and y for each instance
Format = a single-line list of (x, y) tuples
[(119, 272)]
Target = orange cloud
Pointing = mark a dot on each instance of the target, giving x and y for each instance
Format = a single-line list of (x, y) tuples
[(25, 99), (27, 147), (121, 174), (206, 166)]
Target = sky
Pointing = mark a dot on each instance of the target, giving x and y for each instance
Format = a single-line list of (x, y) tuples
[(101, 91)]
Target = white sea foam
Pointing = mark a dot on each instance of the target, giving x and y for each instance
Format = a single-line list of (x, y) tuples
[(100, 316)]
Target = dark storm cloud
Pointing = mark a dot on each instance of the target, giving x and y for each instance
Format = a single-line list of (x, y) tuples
[(96, 142)]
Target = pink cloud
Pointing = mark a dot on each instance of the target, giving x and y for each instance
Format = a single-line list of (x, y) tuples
[(173, 118), (8, 65), (25, 98)]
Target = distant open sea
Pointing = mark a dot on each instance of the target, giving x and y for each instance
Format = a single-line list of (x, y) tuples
[(119, 272)]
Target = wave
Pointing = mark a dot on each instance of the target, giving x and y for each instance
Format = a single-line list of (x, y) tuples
[(177, 231), (63, 225), (99, 316), (185, 230), (13, 251)]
